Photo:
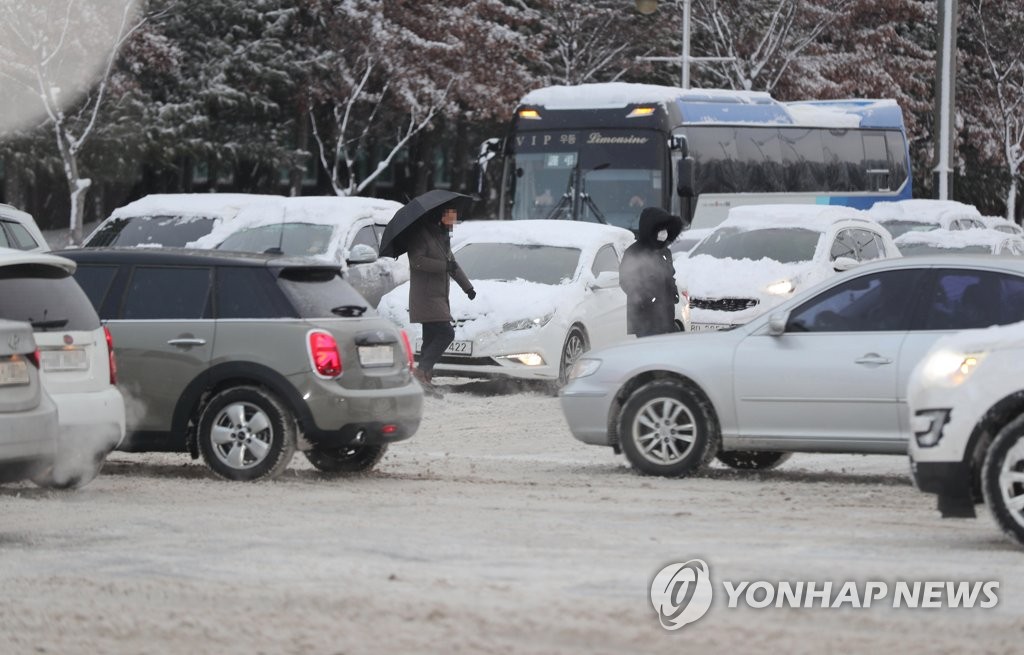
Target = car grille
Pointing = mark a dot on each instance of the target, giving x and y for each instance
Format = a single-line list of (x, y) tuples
[(723, 304), (469, 361)]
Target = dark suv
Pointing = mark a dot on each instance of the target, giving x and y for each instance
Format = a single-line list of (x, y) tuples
[(243, 359)]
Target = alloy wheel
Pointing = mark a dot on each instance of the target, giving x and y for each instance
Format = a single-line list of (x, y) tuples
[(664, 430), (1011, 481), (241, 435)]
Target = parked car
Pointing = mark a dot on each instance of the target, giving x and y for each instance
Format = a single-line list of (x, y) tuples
[(78, 369), (340, 230), (172, 219), (761, 254), (924, 214), (18, 230), (1000, 224), (244, 358), (826, 371), (28, 417), (966, 400), (986, 241), (547, 291), (687, 241)]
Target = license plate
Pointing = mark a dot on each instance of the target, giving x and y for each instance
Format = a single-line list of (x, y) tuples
[(65, 359), (13, 373), (370, 356), (456, 348), (708, 327)]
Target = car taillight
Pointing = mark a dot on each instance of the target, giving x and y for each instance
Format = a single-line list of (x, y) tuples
[(323, 351), (408, 349), (34, 358), (110, 355)]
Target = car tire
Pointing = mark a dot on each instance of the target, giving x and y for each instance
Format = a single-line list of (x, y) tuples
[(657, 418), (349, 459), (572, 349), (1002, 479), (246, 434), (752, 460)]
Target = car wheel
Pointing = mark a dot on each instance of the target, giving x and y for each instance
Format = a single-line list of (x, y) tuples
[(667, 428), (574, 347), (350, 459), (1002, 479), (246, 433), (749, 460)]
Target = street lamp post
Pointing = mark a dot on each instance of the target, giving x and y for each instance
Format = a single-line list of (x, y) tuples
[(649, 7)]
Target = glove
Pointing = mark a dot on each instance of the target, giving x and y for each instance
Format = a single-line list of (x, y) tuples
[(471, 293)]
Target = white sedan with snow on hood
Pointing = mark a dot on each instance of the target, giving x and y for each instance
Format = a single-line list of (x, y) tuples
[(761, 254), (547, 291)]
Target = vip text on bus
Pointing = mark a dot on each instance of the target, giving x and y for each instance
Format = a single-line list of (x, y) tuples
[(602, 152)]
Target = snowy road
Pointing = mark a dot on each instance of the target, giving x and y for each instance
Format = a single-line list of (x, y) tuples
[(492, 530)]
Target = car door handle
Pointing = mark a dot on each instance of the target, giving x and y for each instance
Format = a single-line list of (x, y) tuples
[(873, 359), (187, 342)]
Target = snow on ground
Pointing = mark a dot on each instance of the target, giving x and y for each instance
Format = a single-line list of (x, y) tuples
[(490, 531)]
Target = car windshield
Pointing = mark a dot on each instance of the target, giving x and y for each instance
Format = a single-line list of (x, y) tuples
[(897, 228), (511, 261), (914, 249), (781, 244), (296, 239), (167, 231)]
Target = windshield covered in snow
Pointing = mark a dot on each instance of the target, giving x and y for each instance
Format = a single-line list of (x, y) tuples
[(296, 239), (167, 231), (896, 228), (510, 261), (781, 244)]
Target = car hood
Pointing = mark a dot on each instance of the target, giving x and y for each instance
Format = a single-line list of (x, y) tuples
[(704, 276)]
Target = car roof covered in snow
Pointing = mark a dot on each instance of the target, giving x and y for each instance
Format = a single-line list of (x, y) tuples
[(214, 205), (812, 217), (566, 234), (953, 239), (923, 210)]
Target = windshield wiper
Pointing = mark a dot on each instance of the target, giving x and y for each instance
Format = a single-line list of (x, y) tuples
[(50, 324), (349, 311)]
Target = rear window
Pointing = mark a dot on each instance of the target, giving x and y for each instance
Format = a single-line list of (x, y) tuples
[(45, 296), (167, 231), (318, 292)]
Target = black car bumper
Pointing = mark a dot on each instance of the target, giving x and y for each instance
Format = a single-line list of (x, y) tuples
[(952, 482)]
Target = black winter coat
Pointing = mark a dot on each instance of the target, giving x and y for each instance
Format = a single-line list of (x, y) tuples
[(647, 276)]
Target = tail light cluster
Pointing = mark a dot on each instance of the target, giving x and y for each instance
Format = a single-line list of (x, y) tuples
[(323, 352), (110, 355), (408, 348), (34, 358)]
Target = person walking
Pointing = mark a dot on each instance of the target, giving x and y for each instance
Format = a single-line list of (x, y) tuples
[(432, 266), (647, 275)]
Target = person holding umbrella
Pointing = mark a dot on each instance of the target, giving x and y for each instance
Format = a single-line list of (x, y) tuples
[(422, 228)]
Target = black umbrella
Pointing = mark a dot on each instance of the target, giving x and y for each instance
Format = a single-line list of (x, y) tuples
[(428, 203)]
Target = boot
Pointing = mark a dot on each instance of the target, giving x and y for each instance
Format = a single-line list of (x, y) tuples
[(425, 379)]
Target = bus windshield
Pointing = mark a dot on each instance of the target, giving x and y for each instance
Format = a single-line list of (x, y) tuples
[(599, 176)]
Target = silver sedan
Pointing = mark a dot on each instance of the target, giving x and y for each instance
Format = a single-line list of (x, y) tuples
[(825, 371)]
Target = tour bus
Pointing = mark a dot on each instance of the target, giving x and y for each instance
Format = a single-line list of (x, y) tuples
[(601, 152)]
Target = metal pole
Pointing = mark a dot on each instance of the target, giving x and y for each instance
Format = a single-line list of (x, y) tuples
[(685, 59), (945, 98)]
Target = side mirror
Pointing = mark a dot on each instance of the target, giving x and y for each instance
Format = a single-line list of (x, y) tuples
[(844, 263), (777, 323), (606, 280), (685, 179), (361, 254)]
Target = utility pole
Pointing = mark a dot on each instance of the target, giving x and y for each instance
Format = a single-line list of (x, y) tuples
[(945, 98), (649, 7)]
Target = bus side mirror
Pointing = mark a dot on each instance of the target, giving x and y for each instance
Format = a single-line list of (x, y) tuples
[(685, 179), (488, 150)]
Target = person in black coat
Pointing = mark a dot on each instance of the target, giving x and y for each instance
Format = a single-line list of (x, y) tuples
[(647, 276)]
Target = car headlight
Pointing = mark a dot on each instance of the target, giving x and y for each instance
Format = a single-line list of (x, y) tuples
[(950, 368), (780, 288), (527, 323), (584, 367)]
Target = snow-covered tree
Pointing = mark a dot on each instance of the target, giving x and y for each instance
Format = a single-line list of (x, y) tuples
[(48, 51)]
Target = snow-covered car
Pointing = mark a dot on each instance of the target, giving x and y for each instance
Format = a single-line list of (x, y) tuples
[(761, 254), (19, 231), (76, 355), (687, 241), (966, 242), (924, 214), (172, 219), (1000, 224), (338, 230), (826, 371), (966, 399), (547, 291), (28, 417)]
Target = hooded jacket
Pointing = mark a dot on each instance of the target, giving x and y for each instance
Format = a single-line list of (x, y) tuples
[(647, 275)]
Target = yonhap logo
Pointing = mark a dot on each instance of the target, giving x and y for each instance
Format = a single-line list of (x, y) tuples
[(681, 593)]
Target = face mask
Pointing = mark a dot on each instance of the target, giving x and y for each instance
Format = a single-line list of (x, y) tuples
[(663, 235)]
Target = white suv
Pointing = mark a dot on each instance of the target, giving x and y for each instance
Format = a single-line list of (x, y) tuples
[(18, 230), (966, 401), (76, 358)]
